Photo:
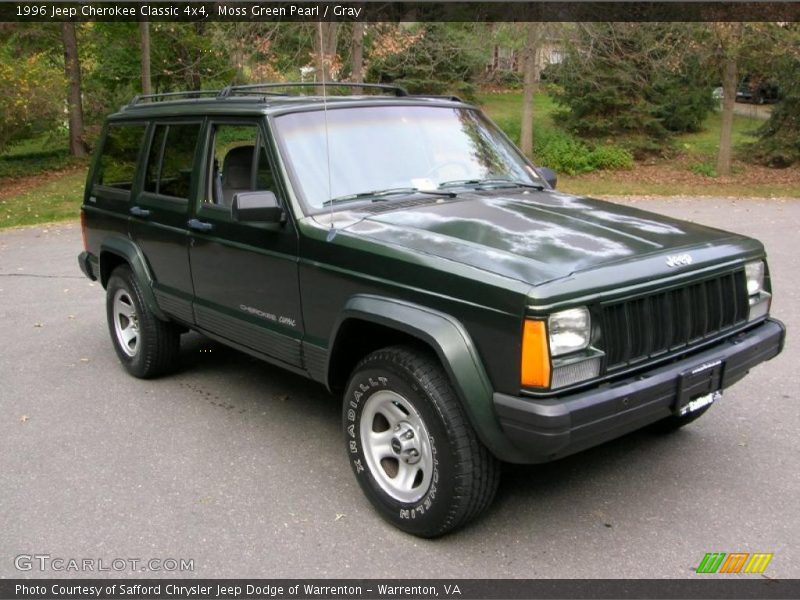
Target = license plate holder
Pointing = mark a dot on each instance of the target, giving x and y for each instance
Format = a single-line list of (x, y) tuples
[(702, 381)]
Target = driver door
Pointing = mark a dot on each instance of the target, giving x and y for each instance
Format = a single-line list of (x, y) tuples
[(245, 275)]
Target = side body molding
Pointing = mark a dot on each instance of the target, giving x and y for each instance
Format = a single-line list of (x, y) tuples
[(456, 351), (130, 252)]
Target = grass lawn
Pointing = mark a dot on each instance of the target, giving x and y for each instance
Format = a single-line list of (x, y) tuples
[(506, 109), (51, 199)]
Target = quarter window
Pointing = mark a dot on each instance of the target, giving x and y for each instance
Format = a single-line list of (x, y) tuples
[(170, 161), (117, 166)]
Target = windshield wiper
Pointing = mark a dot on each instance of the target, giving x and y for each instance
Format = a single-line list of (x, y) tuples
[(377, 195), (495, 181)]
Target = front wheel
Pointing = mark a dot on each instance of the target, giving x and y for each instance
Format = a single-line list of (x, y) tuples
[(411, 447)]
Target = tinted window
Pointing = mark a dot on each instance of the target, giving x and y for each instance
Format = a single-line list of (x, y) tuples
[(117, 166), (234, 168), (169, 164)]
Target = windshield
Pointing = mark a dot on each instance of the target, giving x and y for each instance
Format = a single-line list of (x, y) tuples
[(378, 148)]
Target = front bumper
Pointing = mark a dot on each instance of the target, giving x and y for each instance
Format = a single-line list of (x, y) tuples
[(548, 429)]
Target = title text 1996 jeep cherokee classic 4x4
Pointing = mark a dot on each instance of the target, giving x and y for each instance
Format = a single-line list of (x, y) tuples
[(402, 252)]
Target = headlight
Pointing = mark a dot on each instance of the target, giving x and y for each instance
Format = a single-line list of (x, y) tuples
[(754, 272), (758, 298), (569, 330)]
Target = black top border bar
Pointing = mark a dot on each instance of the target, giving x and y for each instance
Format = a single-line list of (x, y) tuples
[(302, 10)]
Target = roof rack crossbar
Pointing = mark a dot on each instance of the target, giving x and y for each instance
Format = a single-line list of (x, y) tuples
[(437, 97), (396, 89), (140, 98)]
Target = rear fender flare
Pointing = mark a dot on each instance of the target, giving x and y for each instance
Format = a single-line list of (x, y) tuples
[(131, 254)]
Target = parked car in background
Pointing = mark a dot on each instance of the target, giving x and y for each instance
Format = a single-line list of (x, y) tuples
[(758, 90)]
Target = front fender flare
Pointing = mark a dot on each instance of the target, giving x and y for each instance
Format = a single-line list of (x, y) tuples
[(456, 351)]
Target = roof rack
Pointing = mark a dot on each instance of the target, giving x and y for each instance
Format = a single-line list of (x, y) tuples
[(257, 89), (253, 89), (140, 98)]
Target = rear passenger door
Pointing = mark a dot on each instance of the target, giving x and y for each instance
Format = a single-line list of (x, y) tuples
[(160, 212), (245, 274), (114, 180)]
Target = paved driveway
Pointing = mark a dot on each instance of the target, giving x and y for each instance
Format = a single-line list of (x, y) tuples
[(241, 467)]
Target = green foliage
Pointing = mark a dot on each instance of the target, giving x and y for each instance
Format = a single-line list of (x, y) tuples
[(430, 58), (779, 138), (552, 146), (566, 154), (705, 169), (682, 100), (625, 80), (183, 56), (32, 99), (611, 157)]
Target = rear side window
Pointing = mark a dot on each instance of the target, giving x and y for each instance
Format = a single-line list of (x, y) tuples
[(170, 160), (117, 165)]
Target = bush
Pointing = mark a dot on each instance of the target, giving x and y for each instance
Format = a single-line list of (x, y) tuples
[(565, 154), (705, 169), (611, 157)]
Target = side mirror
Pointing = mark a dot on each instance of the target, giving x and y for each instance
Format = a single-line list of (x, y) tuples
[(254, 207), (548, 175)]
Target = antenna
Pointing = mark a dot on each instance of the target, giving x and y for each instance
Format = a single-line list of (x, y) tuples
[(332, 232)]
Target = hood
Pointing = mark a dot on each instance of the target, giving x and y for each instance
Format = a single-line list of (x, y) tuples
[(537, 237)]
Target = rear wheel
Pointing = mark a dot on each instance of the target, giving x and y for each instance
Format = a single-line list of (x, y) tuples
[(146, 346), (411, 447)]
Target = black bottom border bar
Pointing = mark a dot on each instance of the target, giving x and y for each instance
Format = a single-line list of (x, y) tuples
[(730, 587)]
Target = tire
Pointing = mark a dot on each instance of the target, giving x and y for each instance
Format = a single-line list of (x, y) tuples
[(412, 449), (673, 423), (146, 346)]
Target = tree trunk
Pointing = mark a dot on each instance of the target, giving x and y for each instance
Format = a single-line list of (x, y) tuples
[(729, 80), (72, 70), (324, 50), (357, 53), (144, 34), (529, 87)]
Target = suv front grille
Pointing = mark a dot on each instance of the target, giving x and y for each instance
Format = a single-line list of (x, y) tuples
[(662, 322)]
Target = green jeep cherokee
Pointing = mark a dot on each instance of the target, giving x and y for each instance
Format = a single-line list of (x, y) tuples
[(402, 252)]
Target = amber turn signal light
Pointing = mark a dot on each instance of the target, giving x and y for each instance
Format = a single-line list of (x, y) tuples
[(535, 366)]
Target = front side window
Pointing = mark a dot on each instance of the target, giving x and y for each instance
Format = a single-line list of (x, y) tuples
[(366, 149), (170, 160), (238, 164), (117, 164)]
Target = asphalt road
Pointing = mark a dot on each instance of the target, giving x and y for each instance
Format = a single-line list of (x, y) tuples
[(241, 467)]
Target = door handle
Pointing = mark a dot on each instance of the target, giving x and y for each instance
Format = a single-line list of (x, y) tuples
[(199, 225), (137, 211)]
